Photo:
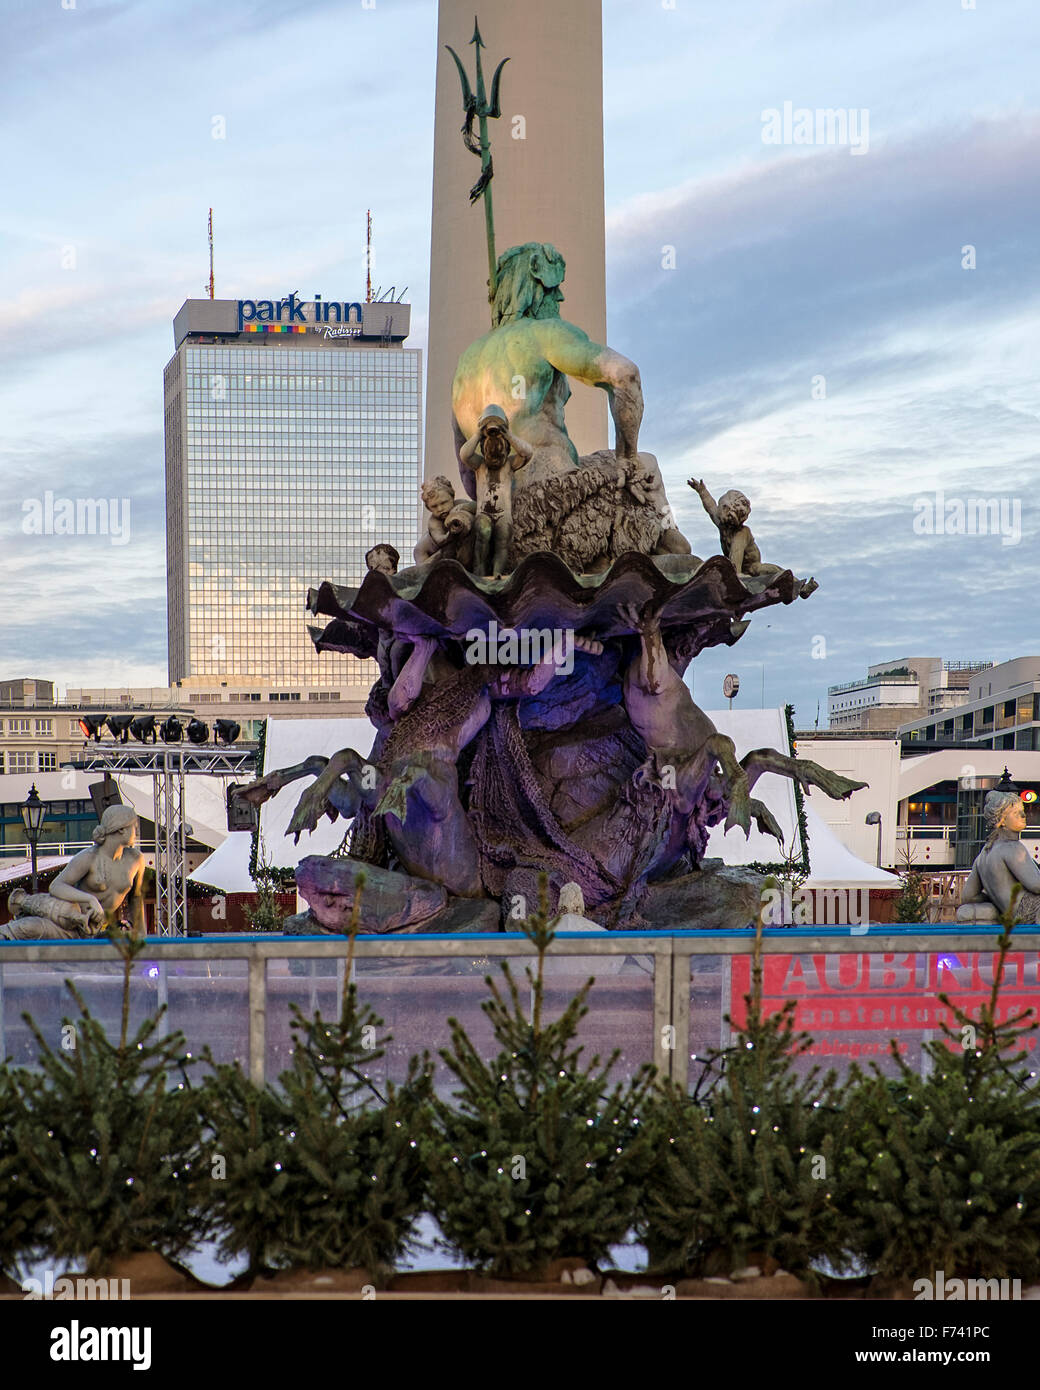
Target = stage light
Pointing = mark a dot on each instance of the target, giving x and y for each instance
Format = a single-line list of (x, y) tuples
[(198, 731), (241, 814), (171, 730), (91, 726), (143, 728), (120, 726), (227, 730)]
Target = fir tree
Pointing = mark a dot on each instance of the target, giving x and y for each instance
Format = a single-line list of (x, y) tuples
[(947, 1176), (20, 1225), (321, 1171), (747, 1164), (541, 1158), (104, 1138), (266, 913), (911, 904)]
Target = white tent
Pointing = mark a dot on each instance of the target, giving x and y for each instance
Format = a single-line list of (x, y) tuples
[(291, 741), (21, 868), (831, 863), (205, 802), (227, 868)]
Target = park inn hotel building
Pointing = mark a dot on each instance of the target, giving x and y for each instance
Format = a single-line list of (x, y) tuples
[(292, 447)]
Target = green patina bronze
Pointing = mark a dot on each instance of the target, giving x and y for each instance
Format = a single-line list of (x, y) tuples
[(477, 105)]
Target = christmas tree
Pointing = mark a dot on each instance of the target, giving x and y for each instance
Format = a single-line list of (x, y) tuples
[(947, 1172), (321, 1171), (105, 1137), (540, 1158), (748, 1163), (20, 1225)]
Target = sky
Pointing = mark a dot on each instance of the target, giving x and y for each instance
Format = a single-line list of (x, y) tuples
[(850, 336)]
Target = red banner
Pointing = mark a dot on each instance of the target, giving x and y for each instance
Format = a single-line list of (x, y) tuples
[(892, 994)]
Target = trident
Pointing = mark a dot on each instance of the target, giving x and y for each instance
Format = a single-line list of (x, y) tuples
[(480, 107)]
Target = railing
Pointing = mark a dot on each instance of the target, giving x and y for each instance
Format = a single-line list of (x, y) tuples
[(60, 847), (870, 680), (659, 997)]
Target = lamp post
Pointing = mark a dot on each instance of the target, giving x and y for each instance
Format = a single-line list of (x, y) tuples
[(32, 818), (874, 818)]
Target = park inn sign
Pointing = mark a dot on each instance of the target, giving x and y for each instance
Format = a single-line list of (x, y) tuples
[(385, 320), (291, 310)]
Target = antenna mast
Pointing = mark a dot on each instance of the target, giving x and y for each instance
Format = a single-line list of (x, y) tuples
[(368, 260), (211, 253)]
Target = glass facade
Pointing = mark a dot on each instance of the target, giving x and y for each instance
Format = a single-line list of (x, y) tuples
[(68, 822), (284, 466)]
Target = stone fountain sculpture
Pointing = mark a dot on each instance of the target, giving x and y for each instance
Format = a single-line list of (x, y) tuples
[(99, 888), (536, 719)]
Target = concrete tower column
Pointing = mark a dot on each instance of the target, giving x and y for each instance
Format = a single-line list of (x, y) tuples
[(548, 186)]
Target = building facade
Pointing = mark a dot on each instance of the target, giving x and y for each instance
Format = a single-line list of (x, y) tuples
[(1000, 709), (930, 799), (40, 734), (292, 447), (895, 692)]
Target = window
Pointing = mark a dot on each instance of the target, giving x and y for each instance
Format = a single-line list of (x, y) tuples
[(21, 762), (18, 726), (46, 762), (1, 762), (44, 728)]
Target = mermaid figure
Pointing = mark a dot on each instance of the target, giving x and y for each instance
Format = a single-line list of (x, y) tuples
[(1002, 863)]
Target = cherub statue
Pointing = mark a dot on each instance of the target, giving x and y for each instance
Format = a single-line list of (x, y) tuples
[(383, 558), (100, 887), (451, 523), (1003, 863), (493, 453), (729, 515)]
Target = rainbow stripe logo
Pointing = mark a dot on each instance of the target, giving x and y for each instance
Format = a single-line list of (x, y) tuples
[(274, 328)]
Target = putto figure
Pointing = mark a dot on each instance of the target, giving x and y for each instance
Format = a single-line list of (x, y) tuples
[(448, 536), (384, 558), (729, 516), (493, 454)]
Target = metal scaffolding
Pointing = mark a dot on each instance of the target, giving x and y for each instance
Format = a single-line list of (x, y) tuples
[(167, 768)]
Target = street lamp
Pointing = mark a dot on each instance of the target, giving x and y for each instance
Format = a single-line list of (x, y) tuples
[(32, 818), (874, 818)]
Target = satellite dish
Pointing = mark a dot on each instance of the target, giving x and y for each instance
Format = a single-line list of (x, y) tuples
[(730, 686)]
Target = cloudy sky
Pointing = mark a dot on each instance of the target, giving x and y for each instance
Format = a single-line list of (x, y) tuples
[(821, 342)]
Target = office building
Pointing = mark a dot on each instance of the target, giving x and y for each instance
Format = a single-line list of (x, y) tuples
[(292, 447), (897, 692), (1000, 709)]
